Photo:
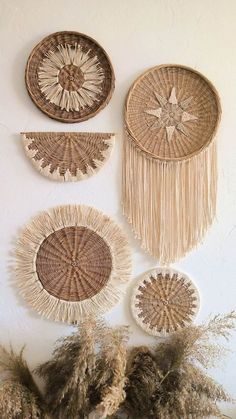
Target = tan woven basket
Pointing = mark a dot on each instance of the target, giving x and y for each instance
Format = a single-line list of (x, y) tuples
[(68, 156), (170, 160), (72, 261), (163, 301), (69, 76), (172, 112)]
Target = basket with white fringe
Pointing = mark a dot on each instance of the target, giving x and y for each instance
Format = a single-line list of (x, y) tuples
[(68, 156), (72, 261), (169, 159), (163, 301), (69, 76)]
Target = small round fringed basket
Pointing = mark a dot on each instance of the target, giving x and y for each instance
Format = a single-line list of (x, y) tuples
[(68, 156), (163, 301), (69, 76), (169, 163), (72, 261)]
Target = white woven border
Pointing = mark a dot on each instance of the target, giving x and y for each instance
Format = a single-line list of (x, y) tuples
[(146, 277), (41, 227)]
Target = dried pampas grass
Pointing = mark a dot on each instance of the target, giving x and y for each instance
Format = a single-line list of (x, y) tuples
[(20, 397), (69, 374), (111, 367), (92, 375), (170, 379)]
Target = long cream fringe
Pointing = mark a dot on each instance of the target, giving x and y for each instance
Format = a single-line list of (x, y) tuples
[(67, 177), (170, 205), (27, 247)]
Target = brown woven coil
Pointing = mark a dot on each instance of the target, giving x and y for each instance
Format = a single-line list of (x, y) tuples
[(69, 76), (164, 300), (73, 263), (172, 112), (68, 156)]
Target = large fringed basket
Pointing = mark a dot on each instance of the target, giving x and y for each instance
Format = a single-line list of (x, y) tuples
[(169, 162), (72, 261), (69, 76)]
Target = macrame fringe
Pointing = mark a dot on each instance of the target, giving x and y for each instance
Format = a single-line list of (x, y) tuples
[(45, 169), (26, 275), (170, 205)]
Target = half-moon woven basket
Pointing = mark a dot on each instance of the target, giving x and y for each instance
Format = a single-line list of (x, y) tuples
[(72, 261), (69, 76), (68, 156), (170, 165), (163, 301)]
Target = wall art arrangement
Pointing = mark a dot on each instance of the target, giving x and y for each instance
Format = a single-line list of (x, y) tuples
[(68, 156), (72, 262), (93, 374), (169, 161)]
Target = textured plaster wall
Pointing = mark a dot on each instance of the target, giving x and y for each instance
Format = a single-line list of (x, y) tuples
[(136, 34)]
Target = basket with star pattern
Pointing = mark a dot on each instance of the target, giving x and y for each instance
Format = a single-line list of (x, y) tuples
[(169, 166)]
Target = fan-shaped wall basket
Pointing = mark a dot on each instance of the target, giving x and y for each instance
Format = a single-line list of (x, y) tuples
[(72, 261), (69, 76), (163, 301), (68, 156)]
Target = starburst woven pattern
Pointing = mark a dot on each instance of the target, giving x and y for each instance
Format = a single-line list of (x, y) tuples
[(164, 301), (72, 261), (69, 76), (68, 156), (172, 112), (171, 115)]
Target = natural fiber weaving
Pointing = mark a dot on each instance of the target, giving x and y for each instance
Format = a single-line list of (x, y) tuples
[(69, 76), (72, 261), (169, 164), (68, 156), (163, 301)]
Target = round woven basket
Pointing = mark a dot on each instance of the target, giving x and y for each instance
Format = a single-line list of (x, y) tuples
[(68, 156), (172, 112), (72, 261), (163, 301), (69, 76)]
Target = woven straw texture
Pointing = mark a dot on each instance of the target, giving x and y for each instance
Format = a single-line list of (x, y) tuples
[(69, 76), (163, 301), (169, 185), (172, 112), (72, 261), (68, 156)]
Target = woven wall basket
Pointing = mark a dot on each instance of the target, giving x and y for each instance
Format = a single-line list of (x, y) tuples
[(163, 301), (68, 156), (72, 261), (69, 76), (169, 164)]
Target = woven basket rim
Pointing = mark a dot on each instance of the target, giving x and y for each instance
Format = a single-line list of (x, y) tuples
[(103, 104), (199, 74), (147, 275), (33, 234)]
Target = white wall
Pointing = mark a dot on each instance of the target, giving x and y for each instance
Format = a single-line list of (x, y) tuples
[(137, 34)]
